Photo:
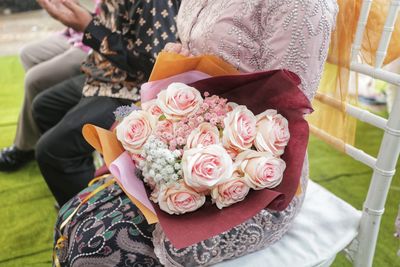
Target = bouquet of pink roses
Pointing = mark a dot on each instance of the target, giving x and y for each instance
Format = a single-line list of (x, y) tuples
[(202, 151), (190, 147)]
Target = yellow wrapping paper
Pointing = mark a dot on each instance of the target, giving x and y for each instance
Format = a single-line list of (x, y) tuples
[(335, 79), (170, 64)]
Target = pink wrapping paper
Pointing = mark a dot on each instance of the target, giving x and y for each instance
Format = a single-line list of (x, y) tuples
[(150, 90)]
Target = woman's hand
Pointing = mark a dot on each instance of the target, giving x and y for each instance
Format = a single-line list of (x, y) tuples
[(176, 48), (68, 12)]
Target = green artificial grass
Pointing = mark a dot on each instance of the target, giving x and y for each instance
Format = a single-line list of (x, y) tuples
[(349, 180), (27, 215)]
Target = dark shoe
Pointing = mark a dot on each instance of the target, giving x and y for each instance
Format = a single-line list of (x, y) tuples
[(12, 158)]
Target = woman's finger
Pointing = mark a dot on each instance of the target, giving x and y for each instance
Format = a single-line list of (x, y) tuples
[(72, 6), (185, 52), (173, 47), (44, 4), (41, 3), (49, 7), (167, 47)]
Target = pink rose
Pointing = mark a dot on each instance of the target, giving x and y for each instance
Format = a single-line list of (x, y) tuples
[(231, 106), (178, 198), (205, 167), (230, 192), (135, 129), (262, 169), (240, 129), (205, 134), (152, 108), (179, 101), (272, 132)]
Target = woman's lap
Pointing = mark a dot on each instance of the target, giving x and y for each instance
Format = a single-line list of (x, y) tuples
[(110, 231)]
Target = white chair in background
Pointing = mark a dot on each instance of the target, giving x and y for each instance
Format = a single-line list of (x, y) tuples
[(326, 224)]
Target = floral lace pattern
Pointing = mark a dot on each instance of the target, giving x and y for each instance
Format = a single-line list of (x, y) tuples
[(253, 34)]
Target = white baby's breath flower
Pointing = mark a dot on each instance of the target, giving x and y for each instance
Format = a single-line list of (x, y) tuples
[(161, 161), (160, 144), (157, 166), (169, 169), (177, 166), (158, 177), (165, 153), (170, 159), (160, 164)]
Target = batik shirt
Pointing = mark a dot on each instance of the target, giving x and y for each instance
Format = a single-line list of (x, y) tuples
[(126, 36)]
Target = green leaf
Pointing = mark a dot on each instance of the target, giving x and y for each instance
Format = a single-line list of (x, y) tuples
[(115, 213), (138, 219), (134, 231), (117, 219), (109, 234), (100, 215)]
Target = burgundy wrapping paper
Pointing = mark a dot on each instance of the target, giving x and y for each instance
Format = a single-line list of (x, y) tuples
[(278, 90)]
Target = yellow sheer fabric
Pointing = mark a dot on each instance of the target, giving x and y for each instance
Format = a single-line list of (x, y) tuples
[(335, 80)]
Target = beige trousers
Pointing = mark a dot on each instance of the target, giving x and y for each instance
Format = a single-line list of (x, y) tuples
[(46, 62)]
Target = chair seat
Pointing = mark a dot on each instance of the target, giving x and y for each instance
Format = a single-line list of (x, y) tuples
[(325, 226)]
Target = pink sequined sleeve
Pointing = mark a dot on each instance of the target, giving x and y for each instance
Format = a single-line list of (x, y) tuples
[(261, 35), (297, 38)]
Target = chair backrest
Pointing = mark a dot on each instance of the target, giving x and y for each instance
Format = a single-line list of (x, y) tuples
[(384, 165)]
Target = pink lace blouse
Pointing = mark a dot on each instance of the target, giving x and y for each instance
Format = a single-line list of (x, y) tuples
[(256, 35)]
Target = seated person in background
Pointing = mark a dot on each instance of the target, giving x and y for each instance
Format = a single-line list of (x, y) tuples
[(46, 63), (253, 36), (126, 36)]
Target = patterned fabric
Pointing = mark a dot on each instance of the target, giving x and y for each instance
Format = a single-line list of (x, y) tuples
[(126, 35), (256, 35), (107, 231)]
